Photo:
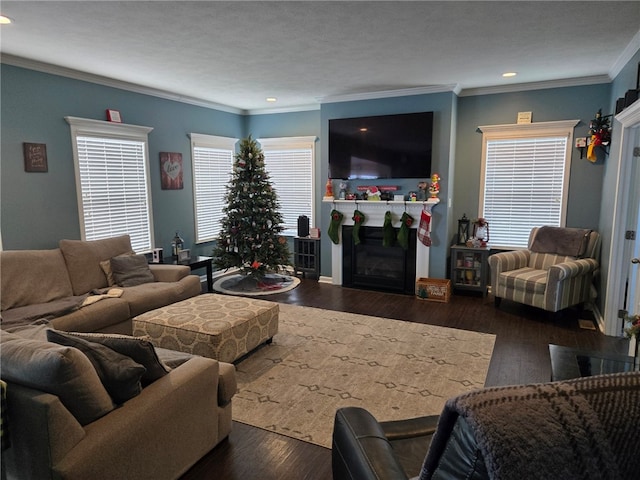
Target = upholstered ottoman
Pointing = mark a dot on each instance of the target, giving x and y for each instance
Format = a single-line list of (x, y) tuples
[(210, 325)]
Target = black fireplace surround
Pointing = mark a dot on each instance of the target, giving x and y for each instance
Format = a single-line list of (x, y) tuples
[(371, 266)]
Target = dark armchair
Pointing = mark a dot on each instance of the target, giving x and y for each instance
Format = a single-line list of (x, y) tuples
[(582, 428)]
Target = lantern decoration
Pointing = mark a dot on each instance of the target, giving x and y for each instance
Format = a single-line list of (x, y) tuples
[(480, 232), (463, 229)]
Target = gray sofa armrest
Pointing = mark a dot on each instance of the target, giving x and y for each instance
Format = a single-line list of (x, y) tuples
[(42, 432), (152, 435), (169, 273)]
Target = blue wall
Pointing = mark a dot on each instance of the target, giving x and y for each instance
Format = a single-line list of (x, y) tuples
[(579, 103), (38, 209), (442, 106)]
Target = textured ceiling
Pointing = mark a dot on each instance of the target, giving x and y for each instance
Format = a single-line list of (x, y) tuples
[(237, 53)]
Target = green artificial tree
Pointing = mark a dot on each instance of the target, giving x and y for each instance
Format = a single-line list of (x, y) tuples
[(250, 238)]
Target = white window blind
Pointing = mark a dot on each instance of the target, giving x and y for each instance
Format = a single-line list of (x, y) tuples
[(112, 179), (524, 181), (290, 164), (212, 167)]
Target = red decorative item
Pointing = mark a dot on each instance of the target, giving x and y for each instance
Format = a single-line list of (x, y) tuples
[(424, 229)]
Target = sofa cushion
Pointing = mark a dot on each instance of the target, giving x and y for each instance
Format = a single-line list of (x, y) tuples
[(83, 260), (120, 375), (33, 277), (59, 370), (138, 349), (131, 270)]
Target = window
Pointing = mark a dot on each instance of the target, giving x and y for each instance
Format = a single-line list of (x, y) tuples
[(212, 166), (290, 164), (525, 177), (112, 181)]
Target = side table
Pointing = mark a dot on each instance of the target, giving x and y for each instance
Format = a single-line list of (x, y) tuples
[(306, 255), (195, 263), (469, 268), (567, 363)]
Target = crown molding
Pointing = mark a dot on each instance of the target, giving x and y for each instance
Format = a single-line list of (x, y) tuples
[(401, 92), (523, 87), (269, 111), (110, 82), (626, 55)]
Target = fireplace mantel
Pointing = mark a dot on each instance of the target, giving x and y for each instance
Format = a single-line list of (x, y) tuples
[(374, 212)]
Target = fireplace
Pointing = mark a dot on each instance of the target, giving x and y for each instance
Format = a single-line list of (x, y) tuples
[(375, 213), (370, 265)]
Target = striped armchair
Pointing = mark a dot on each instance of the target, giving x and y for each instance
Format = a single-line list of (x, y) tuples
[(555, 272)]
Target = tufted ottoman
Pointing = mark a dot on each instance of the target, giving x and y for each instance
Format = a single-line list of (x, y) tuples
[(210, 325)]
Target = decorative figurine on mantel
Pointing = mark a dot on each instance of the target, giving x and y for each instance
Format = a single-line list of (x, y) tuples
[(328, 192), (434, 188), (343, 190), (422, 191)]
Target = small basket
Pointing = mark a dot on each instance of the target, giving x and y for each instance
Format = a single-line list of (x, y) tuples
[(433, 289)]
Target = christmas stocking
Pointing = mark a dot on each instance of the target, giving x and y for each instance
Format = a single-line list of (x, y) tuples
[(403, 235), (334, 226), (423, 229), (388, 232), (358, 218)]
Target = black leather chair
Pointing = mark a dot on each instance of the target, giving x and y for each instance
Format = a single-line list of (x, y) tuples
[(365, 449), (581, 428)]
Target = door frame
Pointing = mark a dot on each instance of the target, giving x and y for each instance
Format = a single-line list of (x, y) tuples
[(619, 258)]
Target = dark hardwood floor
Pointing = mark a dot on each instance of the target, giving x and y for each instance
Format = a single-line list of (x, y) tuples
[(521, 355)]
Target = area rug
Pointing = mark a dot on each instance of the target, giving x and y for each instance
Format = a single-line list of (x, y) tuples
[(321, 360), (237, 284)]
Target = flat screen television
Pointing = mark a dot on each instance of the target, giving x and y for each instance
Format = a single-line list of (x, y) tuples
[(384, 146)]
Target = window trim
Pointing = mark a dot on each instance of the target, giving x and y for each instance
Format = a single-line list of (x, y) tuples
[(208, 141), (122, 131), (292, 143), (561, 128)]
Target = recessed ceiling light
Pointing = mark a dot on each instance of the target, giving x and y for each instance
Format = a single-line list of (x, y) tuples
[(5, 20), (509, 74), (272, 99)]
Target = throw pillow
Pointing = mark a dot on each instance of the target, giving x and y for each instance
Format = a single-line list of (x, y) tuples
[(119, 374), (58, 370), (105, 265), (131, 270), (138, 349)]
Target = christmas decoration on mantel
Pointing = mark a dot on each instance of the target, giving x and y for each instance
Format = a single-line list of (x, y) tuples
[(600, 131), (250, 238)]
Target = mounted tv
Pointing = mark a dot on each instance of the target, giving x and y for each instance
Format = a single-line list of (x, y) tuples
[(385, 146)]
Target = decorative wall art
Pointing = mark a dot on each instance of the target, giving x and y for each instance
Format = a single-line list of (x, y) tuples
[(114, 116), (171, 171), (35, 157)]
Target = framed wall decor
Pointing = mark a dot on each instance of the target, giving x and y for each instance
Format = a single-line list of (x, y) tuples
[(171, 171), (114, 116), (35, 157)]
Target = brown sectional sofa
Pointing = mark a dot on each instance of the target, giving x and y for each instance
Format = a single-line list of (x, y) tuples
[(52, 283)]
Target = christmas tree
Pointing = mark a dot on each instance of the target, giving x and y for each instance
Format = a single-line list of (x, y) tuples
[(250, 238)]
